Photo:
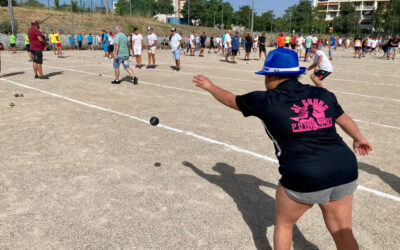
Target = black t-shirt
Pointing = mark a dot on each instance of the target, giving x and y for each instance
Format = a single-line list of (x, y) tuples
[(300, 120), (395, 42), (261, 40), (389, 43), (249, 41), (203, 39), (212, 39)]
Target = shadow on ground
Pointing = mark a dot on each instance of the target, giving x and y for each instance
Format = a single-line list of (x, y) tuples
[(13, 74), (55, 73), (257, 208), (391, 179)]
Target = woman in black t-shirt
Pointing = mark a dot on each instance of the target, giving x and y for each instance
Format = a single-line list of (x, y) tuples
[(317, 167)]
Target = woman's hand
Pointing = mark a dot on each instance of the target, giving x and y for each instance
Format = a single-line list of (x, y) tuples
[(202, 82), (363, 147)]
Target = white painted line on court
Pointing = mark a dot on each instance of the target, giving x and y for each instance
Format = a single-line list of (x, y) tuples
[(377, 124), (206, 139), (379, 193), (205, 93), (368, 96)]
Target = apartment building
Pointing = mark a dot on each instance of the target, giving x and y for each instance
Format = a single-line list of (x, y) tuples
[(366, 9), (175, 18)]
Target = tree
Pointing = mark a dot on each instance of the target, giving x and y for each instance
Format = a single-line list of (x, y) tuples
[(348, 20), (5, 3), (197, 9), (165, 7), (386, 18), (264, 22), (243, 16)]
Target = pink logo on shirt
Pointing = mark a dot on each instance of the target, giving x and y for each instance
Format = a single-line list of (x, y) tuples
[(311, 116)]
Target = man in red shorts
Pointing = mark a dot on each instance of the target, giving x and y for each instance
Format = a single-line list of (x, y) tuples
[(37, 46)]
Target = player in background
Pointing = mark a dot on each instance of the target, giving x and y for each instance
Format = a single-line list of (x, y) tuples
[(322, 66), (137, 46), (300, 45), (151, 46)]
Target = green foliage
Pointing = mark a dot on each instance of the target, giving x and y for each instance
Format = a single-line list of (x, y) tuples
[(5, 27), (33, 3), (5, 3), (387, 18), (131, 27), (165, 7), (206, 10), (347, 21)]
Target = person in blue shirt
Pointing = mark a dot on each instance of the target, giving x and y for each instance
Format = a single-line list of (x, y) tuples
[(235, 46), (105, 43), (72, 42), (79, 37), (90, 41), (332, 47)]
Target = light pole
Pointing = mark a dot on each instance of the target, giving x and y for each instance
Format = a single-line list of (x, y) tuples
[(72, 18), (252, 16), (290, 25), (11, 12), (130, 9), (222, 17), (189, 16)]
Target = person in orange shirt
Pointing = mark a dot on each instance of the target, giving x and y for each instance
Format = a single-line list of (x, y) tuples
[(281, 40)]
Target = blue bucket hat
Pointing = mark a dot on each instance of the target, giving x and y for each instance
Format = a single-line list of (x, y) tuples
[(282, 62)]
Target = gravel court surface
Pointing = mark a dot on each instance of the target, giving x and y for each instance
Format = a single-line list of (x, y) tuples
[(79, 177)]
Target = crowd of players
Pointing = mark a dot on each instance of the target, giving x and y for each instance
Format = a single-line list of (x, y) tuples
[(228, 45)]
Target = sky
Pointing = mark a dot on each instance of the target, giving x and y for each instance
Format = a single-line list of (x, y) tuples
[(278, 6)]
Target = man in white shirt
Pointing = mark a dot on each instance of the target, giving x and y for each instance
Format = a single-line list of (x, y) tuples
[(300, 44), (151, 46), (218, 42), (322, 66), (176, 48), (227, 44), (137, 46), (374, 44)]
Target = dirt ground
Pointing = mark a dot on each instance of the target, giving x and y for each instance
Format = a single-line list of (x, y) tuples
[(81, 168)]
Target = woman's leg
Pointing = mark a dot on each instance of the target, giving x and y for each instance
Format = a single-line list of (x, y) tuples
[(337, 216), (288, 212)]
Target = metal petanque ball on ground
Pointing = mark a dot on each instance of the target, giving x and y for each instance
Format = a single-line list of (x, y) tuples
[(154, 121)]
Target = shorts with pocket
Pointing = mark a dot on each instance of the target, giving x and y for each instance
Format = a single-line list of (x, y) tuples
[(152, 50), (137, 51), (37, 57), (177, 54), (322, 74), (124, 60), (308, 50), (325, 195), (262, 48), (248, 49), (54, 45), (28, 47), (234, 52), (58, 45)]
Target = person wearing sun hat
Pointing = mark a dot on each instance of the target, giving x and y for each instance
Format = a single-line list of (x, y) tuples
[(316, 165)]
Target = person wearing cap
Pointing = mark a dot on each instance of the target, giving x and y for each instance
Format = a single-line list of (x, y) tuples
[(235, 46), (316, 165), (248, 46), (37, 45), (293, 42), (151, 46), (176, 48), (281, 40), (121, 56)]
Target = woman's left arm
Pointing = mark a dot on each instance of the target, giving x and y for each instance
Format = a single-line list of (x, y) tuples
[(223, 96)]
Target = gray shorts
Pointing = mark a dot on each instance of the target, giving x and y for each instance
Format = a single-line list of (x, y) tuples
[(324, 196)]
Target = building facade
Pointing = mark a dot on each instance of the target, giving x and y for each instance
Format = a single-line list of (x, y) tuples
[(365, 8), (175, 18)]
